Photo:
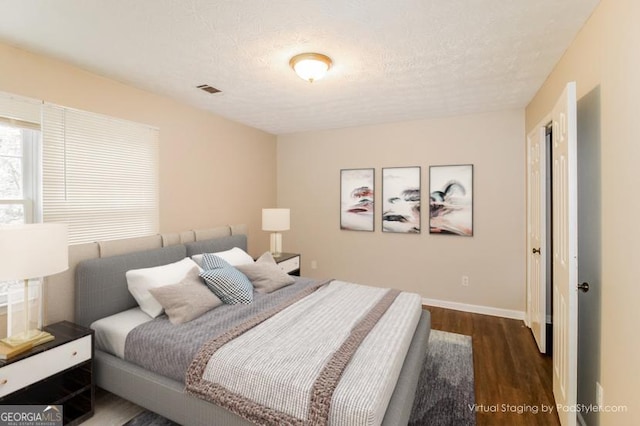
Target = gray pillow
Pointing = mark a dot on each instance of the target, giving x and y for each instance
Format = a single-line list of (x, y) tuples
[(265, 274), (186, 300)]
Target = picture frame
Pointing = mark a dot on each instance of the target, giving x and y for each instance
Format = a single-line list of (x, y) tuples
[(401, 188), (357, 199), (451, 200)]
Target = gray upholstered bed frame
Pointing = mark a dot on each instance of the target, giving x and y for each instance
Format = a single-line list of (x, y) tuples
[(101, 290)]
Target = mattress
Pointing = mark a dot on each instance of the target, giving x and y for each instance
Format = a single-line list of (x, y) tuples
[(111, 332)]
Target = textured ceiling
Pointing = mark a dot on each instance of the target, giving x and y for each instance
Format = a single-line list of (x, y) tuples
[(393, 59)]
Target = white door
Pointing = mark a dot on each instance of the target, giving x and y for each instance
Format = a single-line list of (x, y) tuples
[(565, 259), (536, 233)]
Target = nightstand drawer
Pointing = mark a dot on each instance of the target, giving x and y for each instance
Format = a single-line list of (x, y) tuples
[(30, 370), (290, 265)]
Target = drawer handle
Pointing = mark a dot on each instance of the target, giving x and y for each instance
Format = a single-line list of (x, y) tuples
[(74, 353), (4, 381)]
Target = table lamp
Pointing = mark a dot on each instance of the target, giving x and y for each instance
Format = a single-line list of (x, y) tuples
[(275, 220), (27, 252)]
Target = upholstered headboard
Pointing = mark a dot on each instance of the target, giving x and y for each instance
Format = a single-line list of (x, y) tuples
[(101, 284), (216, 244)]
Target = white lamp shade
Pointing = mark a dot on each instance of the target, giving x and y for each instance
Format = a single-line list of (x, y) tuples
[(275, 219), (33, 250)]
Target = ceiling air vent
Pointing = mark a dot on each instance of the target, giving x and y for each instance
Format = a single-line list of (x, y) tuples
[(208, 88)]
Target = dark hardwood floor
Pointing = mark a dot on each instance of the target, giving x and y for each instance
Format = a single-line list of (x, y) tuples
[(513, 380)]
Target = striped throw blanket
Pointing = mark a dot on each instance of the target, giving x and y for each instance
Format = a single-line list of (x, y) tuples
[(332, 356)]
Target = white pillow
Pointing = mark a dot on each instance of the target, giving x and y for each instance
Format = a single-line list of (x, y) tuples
[(140, 281), (235, 257)]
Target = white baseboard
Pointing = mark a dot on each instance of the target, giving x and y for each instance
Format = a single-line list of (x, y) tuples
[(476, 309)]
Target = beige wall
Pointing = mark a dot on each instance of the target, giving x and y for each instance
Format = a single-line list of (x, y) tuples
[(213, 171), (605, 53), (432, 265)]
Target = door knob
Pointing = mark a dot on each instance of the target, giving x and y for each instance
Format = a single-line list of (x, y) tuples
[(584, 287), (536, 250)]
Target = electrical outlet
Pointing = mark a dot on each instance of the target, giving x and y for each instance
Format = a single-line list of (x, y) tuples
[(465, 280), (314, 264), (599, 395)]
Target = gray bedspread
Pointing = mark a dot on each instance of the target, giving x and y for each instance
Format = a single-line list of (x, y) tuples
[(169, 349)]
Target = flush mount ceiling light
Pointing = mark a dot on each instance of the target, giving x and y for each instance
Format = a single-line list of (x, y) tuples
[(310, 66)]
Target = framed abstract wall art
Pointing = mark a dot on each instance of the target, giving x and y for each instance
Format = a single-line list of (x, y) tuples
[(451, 200), (401, 200), (357, 199)]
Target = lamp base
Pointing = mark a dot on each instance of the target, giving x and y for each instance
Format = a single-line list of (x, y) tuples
[(34, 337), (276, 244)]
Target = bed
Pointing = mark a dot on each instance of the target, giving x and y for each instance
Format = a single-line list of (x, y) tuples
[(101, 292)]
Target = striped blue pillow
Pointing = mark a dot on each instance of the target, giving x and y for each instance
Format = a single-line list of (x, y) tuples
[(230, 285)]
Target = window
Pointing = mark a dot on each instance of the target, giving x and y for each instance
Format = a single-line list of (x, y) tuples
[(19, 169), (97, 174), (19, 165), (18, 174), (100, 175)]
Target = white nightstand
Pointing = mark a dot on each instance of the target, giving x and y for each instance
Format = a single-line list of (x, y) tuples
[(289, 263), (59, 372)]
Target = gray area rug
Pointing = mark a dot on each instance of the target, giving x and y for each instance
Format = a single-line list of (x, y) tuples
[(445, 388), (445, 394)]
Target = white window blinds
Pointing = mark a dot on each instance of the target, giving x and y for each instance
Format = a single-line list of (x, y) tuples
[(20, 112), (100, 175)]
